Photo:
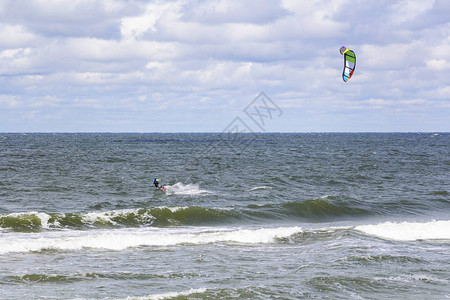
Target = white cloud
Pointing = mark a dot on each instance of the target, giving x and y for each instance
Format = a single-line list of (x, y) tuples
[(215, 56), (234, 11), (62, 18), (444, 92), (88, 103), (135, 27), (314, 19), (438, 64), (14, 36), (9, 101), (123, 50), (46, 101), (14, 53), (394, 56), (15, 60), (441, 50), (408, 10)]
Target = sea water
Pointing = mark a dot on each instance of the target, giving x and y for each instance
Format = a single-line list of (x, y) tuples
[(262, 216)]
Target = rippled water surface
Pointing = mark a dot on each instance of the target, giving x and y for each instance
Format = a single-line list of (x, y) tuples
[(267, 216)]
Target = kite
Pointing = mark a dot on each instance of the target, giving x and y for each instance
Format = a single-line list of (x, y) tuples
[(349, 63)]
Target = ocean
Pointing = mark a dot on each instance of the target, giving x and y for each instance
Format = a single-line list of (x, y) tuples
[(245, 216)]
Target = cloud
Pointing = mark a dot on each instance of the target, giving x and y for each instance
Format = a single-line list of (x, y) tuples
[(129, 61), (426, 14), (9, 101), (12, 36), (438, 64), (234, 11), (123, 50), (409, 10), (135, 26), (61, 18)]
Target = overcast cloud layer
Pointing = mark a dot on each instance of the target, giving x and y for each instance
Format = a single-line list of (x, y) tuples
[(191, 65)]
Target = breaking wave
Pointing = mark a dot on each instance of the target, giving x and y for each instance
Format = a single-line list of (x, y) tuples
[(317, 210), (324, 209), (170, 295), (409, 231), (120, 239), (123, 238), (158, 216)]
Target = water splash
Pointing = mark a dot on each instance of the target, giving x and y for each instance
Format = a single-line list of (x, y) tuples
[(185, 189)]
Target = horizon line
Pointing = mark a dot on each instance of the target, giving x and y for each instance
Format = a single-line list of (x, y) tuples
[(205, 132)]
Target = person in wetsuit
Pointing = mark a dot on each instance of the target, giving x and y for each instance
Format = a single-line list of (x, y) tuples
[(157, 183)]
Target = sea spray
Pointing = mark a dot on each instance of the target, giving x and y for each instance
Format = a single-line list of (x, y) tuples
[(185, 189)]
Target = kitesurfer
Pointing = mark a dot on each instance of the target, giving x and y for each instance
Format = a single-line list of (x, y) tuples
[(157, 183)]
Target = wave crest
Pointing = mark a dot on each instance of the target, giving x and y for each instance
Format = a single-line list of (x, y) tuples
[(157, 216), (120, 239), (409, 231)]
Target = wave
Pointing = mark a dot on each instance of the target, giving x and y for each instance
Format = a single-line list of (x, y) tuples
[(120, 239), (409, 231), (323, 209), (143, 217), (123, 238), (78, 276), (169, 295), (317, 210), (245, 292), (264, 187)]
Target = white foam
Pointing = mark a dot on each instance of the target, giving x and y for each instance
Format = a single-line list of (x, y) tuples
[(90, 218), (185, 189), (43, 217), (120, 239), (107, 216), (415, 277), (264, 235), (261, 188), (168, 295), (173, 208), (409, 231)]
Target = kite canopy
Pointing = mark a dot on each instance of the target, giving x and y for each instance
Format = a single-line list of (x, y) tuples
[(349, 63)]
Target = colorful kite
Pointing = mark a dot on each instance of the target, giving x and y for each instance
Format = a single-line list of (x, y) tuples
[(349, 63)]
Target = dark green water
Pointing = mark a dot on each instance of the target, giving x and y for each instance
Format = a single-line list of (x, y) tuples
[(265, 216)]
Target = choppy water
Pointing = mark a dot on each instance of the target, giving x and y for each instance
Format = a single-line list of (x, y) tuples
[(267, 216)]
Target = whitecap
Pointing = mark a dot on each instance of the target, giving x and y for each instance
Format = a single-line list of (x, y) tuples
[(120, 239), (261, 188), (168, 295), (409, 231)]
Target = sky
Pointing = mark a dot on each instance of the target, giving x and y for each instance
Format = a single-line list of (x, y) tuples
[(205, 66)]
